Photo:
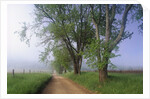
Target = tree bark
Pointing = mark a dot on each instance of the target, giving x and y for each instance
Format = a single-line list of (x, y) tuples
[(75, 68), (80, 64), (77, 65), (123, 25), (103, 74)]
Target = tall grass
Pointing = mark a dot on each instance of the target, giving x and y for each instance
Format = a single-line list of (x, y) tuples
[(26, 83), (117, 83)]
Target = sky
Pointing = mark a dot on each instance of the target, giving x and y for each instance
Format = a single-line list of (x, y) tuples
[(18, 53)]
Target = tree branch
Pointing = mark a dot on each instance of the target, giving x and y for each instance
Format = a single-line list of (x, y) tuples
[(99, 19), (113, 14), (123, 24), (93, 19), (69, 43), (107, 24), (47, 15)]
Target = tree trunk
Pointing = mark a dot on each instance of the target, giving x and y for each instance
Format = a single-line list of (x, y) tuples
[(79, 72), (103, 74), (75, 69), (80, 64), (77, 65)]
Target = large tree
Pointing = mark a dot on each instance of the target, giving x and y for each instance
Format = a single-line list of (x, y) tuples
[(66, 23), (110, 24)]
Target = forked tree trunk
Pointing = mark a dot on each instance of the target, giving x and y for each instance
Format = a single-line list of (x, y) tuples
[(77, 65), (103, 74), (77, 69)]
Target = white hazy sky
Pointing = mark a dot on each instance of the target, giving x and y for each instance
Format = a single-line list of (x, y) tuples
[(131, 50), (18, 52), (17, 49)]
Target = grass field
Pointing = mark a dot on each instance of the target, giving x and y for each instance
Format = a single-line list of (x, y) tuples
[(117, 83), (26, 83)]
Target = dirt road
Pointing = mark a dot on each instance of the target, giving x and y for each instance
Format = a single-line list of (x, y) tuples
[(60, 85)]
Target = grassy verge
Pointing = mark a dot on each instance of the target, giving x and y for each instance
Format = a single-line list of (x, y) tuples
[(117, 83), (26, 83)]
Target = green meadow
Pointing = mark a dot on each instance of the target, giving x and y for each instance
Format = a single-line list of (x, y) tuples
[(29, 83), (117, 83)]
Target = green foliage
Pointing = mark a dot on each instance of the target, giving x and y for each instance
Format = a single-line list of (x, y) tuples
[(23, 34), (62, 59), (63, 24), (91, 54), (99, 52), (118, 83), (26, 83), (44, 55)]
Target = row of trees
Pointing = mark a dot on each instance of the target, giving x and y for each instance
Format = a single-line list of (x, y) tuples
[(72, 31)]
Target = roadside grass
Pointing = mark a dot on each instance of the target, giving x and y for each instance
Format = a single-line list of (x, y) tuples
[(30, 83), (117, 83)]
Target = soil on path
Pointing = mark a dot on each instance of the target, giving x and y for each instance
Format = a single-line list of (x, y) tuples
[(61, 85)]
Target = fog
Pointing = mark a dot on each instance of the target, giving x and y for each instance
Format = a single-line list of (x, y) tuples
[(19, 55)]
